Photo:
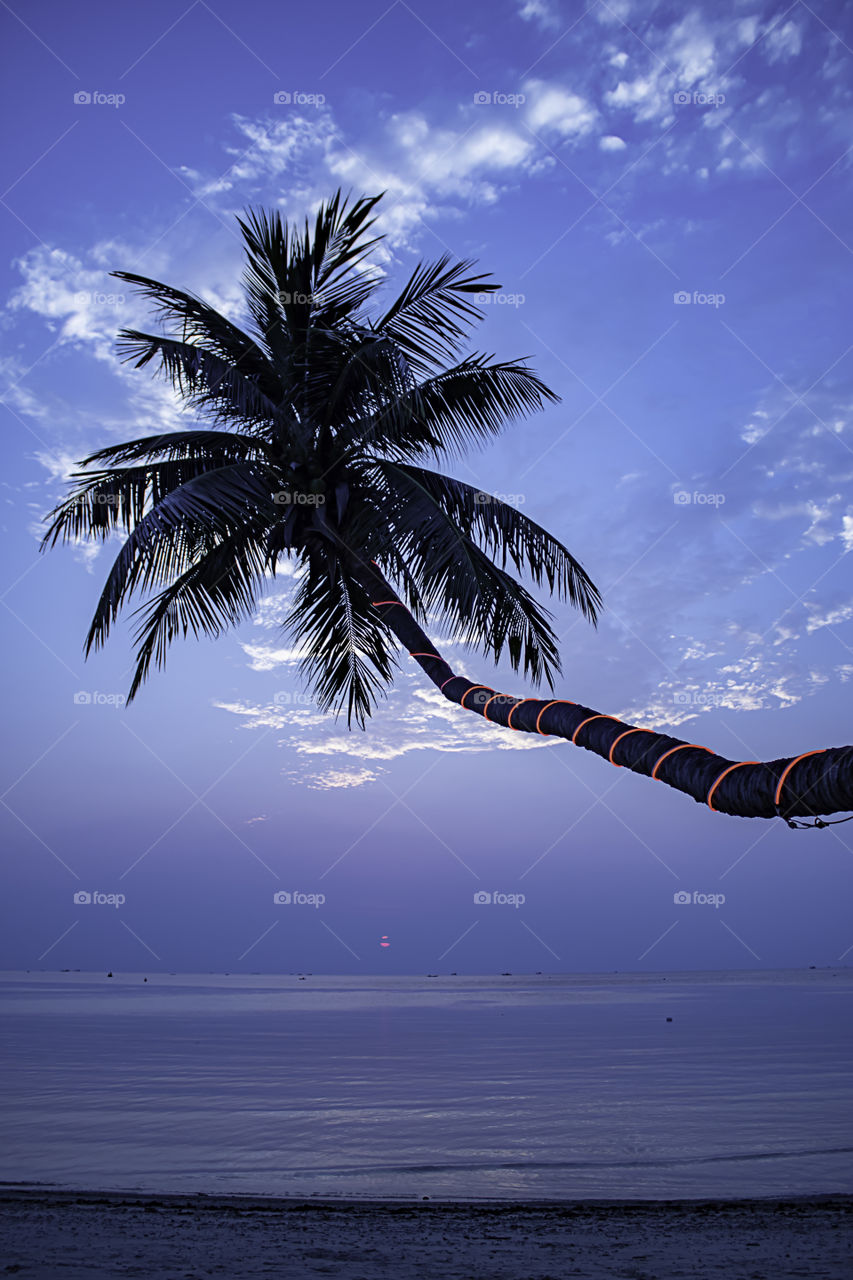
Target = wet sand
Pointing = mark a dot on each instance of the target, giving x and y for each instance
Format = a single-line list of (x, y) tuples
[(46, 1234)]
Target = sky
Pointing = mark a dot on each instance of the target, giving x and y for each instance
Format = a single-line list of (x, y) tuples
[(662, 193)]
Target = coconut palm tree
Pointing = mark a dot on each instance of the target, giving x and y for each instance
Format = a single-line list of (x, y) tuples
[(316, 423)]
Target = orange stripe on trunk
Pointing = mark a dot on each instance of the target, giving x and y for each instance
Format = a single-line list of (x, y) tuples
[(788, 769), (680, 747), (473, 689), (619, 739), (739, 765), (589, 720)]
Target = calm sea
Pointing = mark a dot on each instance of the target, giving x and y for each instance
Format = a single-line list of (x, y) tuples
[(463, 1087)]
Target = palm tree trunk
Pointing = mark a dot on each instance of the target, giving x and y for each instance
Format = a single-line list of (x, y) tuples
[(816, 782)]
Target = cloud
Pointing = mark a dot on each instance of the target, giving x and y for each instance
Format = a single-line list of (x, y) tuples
[(551, 108), (846, 534), (783, 43), (263, 657), (832, 617), (413, 718), (542, 12), (335, 779)]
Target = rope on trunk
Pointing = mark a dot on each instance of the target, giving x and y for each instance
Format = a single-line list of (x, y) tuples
[(807, 785)]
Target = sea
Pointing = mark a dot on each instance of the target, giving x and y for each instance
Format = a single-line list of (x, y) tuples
[(489, 1087)]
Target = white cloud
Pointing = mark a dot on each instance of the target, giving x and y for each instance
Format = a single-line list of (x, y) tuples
[(553, 108), (644, 96), (416, 162), (782, 43), (264, 657), (335, 779), (830, 618), (612, 11), (413, 718), (846, 534), (542, 12), (691, 51)]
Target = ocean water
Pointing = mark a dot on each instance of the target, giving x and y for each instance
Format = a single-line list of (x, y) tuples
[(461, 1087)]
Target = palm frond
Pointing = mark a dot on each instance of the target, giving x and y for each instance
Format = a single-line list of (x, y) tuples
[(349, 652), (433, 313), (201, 324), (215, 387), (505, 532), (169, 538), (453, 576), (105, 500), (219, 590), (293, 283), (224, 446)]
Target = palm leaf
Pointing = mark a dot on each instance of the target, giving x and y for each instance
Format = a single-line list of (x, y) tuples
[(349, 652), (504, 531), (432, 315), (218, 591)]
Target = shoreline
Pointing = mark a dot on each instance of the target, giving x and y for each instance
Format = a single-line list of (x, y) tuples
[(80, 1234), (23, 1193)]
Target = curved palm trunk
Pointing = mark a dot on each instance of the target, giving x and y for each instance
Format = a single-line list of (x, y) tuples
[(817, 782)]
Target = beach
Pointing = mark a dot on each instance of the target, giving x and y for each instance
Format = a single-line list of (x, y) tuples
[(49, 1234), (639, 1126)]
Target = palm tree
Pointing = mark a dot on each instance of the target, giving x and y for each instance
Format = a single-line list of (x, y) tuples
[(317, 422)]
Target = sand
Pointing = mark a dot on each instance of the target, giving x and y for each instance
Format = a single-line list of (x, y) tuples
[(71, 1235)]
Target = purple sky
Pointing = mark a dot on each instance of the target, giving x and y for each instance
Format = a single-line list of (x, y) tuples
[(604, 164)]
